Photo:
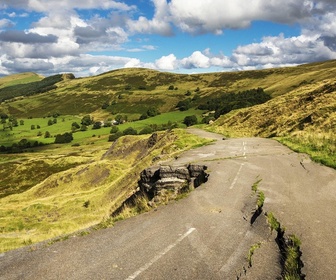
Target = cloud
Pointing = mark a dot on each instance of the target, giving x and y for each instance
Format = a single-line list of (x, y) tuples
[(63, 35), (52, 5), (214, 16), (167, 62), (26, 38), (24, 65), (196, 60), (159, 24), (6, 23), (278, 50)]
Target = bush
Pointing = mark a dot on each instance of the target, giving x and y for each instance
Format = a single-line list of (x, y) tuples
[(146, 130), (63, 138), (114, 129), (190, 120), (96, 125), (86, 120), (130, 131), (184, 105), (115, 136)]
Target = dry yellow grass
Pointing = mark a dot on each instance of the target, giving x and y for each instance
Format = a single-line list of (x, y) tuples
[(304, 119), (86, 194)]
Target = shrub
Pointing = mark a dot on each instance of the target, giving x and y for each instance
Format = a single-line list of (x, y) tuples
[(63, 138), (130, 131), (115, 136), (114, 129), (190, 120), (146, 130)]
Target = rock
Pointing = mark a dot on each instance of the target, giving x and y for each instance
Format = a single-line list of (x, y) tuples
[(163, 181), (152, 140)]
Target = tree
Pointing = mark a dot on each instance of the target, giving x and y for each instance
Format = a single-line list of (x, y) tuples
[(184, 105), (87, 120), (130, 131), (32, 127), (96, 125), (3, 116), (15, 122), (152, 112), (120, 119), (47, 134), (171, 87), (64, 138), (115, 136), (146, 130), (190, 120), (105, 105), (21, 122), (83, 128), (75, 126), (50, 122), (114, 129)]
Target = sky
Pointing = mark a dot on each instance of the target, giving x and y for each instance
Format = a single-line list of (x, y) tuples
[(89, 37)]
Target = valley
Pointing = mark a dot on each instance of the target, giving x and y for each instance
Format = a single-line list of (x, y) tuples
[(72, 150)]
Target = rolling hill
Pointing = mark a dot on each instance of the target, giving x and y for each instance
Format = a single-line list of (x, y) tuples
[(56, 189)]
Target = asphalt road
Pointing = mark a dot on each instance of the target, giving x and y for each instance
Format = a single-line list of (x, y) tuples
[(206, 235)]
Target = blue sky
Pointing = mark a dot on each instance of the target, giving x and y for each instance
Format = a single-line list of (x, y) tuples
[(184, 36)]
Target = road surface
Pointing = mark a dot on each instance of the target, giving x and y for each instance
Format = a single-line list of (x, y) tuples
[(206, 235)]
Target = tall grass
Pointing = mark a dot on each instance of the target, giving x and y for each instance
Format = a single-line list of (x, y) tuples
[(321, 147)]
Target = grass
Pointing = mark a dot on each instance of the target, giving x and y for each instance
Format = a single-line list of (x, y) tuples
[(255, 186), (290, 250), (56, 203), (64, 124), (261, 195), (261, 199), (320, 146), (273, 222), (16, 79), (251, 252), (293, 264), (303, 119)]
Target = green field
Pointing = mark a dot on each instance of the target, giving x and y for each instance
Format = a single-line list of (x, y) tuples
[(64, 124)]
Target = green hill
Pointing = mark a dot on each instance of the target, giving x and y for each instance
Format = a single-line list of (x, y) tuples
[(55, 189), (132, 91), (22, 78)]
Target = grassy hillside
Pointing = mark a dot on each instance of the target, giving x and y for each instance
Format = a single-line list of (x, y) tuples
[(71, 188), (132, 91), (57, 189), (304, 119), (17, 79)]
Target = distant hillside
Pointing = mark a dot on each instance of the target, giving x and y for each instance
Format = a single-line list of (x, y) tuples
[(135, 90), (30, 88), (16, 79)]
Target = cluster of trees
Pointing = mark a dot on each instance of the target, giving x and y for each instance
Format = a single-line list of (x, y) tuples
[(232, 101), (8, 122), (63, 138), (187, 103), (116, 133), (20, 147), (32, 88), (151, 112)]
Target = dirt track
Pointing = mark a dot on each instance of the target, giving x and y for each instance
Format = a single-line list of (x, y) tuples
[(206, 235)]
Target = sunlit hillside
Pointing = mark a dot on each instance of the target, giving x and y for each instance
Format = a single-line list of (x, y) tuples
[(49, 189)]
